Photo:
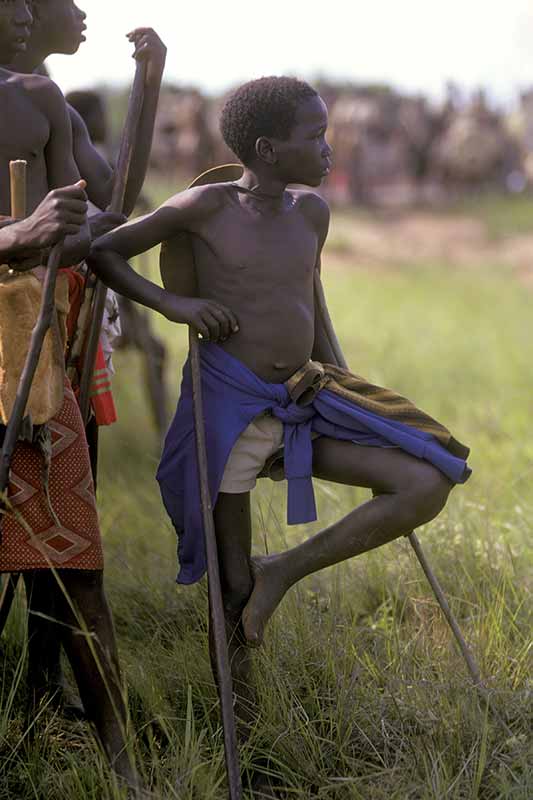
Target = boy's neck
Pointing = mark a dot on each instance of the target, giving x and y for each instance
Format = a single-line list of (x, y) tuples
[(262, 185)]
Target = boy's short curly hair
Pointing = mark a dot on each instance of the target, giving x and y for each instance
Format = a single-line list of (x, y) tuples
[(263, 107)]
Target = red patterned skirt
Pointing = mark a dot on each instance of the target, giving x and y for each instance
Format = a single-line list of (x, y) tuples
[(38, 542)]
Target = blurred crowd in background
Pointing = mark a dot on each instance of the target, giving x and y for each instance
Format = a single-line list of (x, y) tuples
[(389, 149)]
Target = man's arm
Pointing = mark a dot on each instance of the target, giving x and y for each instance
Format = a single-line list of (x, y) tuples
[(61, 167), (109, 259), (62, 213), (92, 165)]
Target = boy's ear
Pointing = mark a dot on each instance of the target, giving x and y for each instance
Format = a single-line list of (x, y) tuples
[(265, 150)]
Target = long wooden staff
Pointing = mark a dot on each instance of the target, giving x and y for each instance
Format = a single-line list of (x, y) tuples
[(473, 668), (44, 320), (127, 145), (17, 186), (42, 325), (225, 688)]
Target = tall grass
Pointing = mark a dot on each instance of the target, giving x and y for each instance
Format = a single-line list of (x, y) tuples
[(363, 693)]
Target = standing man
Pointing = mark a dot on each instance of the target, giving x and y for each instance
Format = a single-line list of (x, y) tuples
[(53, 523), (58, 28)]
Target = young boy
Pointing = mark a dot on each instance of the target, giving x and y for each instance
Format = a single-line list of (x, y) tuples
[(256, 247), (60, 513)]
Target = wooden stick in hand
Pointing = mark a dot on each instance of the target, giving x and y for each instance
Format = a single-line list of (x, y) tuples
[(129, 137), (17, 181)]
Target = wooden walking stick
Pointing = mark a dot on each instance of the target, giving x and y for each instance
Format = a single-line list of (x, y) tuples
[(7, 595), (127, 145), (17, 186), (225, 688), (471, 664), (44, 320)]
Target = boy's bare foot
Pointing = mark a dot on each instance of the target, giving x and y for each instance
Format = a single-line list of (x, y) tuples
[(269, 587)]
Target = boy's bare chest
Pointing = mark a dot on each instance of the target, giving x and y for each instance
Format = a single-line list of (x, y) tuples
[(284, 247)]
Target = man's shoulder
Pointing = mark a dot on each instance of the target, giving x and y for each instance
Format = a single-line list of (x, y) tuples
[(314, 206), (37, 84), (39, 89)]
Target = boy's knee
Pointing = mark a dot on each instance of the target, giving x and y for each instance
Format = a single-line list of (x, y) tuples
[(429, 492)]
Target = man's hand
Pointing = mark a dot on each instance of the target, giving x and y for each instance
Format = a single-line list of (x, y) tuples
[(149, 48), (62, 213), (105, 222), (212, 320)]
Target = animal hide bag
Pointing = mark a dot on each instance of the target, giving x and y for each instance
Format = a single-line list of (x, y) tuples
[(20, 302)]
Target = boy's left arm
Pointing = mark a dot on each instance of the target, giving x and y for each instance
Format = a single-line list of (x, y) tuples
[(108, 258), (323, 347)]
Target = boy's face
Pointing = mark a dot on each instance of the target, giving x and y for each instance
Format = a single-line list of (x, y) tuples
[(15, 23), (306, 156), (59, 24)]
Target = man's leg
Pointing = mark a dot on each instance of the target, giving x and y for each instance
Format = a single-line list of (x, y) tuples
[(44, 645), (45, 672), (407, 493), (234, 534), (89, 641)]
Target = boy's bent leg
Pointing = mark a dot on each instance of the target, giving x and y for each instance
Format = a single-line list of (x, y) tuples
[(407, 493), (234, 534), (89, 640)]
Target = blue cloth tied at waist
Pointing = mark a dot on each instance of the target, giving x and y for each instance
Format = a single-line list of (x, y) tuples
[(232, 397)]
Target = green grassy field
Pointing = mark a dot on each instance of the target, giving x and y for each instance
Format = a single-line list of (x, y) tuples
[(363, 693)]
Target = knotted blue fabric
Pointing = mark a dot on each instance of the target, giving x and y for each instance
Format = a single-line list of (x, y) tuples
[(232, 397)]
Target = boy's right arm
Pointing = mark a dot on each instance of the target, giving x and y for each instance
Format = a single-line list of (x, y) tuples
[(109, 259), (92, 165)]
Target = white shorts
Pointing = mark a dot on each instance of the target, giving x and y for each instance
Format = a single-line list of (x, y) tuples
[(261, 439)]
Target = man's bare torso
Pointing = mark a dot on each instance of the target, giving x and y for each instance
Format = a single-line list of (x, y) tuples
[(260, 264), (24, 134)]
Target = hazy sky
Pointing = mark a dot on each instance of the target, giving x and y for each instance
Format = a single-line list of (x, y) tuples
[(414, 44)]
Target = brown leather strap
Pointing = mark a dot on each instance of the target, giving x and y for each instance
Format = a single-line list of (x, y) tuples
[(306, 383)]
